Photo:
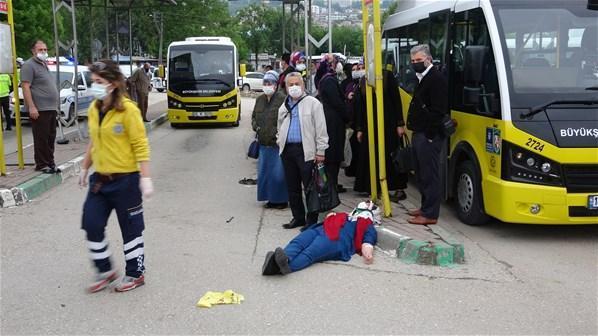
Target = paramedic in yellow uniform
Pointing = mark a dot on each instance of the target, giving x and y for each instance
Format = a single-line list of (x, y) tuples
[(119, 151)]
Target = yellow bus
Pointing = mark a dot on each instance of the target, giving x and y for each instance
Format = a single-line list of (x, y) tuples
[(523, 81), (203, 82)]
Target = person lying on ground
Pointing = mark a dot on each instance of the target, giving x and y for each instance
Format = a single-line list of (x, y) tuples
[(337, 238)]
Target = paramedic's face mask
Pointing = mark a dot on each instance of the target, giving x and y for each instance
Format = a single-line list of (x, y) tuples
[(100, 87)]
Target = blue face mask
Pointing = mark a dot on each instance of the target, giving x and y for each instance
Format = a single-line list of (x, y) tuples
[(99, 91)]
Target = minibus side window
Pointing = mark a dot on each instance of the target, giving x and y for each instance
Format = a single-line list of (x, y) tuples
[(408, 37)]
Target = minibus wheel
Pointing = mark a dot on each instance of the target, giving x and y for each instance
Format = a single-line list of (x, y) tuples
[(469, 198)]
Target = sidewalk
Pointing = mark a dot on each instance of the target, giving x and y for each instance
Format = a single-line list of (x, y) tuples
[(413, 244), (21, 185)]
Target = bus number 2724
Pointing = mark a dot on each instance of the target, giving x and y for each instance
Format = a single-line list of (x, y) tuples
[(534, 144)]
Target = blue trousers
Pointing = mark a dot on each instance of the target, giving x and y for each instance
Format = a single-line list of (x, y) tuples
[(311, 246), (124, 196)]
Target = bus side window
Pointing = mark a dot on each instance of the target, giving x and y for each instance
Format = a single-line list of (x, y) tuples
[(408, 37), (470, 29)]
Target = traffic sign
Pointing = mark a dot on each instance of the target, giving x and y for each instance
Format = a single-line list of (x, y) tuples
[(3, 7)]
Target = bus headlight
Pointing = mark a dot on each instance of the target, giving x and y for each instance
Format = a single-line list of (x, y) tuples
[(522, 165), (230, 103), (173, 103)]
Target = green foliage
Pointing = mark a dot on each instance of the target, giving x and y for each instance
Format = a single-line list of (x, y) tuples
[(34, 21), (391, 9)]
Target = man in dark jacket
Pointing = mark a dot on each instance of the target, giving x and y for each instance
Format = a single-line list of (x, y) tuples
[(330, 95), (287, 68), (428, 106)]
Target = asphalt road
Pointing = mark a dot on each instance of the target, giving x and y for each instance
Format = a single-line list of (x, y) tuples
[(205, 232)]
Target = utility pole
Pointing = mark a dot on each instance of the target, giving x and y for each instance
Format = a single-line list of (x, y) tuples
[(160, 28)]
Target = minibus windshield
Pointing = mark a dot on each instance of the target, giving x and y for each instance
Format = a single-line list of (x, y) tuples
[(198, 67), (550, 51)]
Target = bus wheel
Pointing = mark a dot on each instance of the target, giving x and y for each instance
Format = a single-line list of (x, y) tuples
[(469, 195), (173, 125), (238, 122)]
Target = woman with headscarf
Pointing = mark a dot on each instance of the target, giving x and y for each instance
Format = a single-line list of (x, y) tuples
[(271, 185), (335, 110), (393, 131)]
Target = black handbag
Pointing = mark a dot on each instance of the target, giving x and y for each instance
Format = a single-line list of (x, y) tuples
[(320, 194), (254, 149), (402, 157)]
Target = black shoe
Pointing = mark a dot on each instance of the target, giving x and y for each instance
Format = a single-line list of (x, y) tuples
[(398, 196), (282, 261), (47, 170), (340, 189), (248, 181), (270, 266), (293, 224), (278, 206)]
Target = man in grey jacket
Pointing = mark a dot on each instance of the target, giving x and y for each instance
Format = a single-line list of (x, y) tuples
[(303, 140)]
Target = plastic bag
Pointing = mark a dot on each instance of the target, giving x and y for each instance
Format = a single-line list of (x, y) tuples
[(321, 196)]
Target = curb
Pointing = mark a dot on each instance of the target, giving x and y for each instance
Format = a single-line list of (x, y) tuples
[(39, 184), (445, 252)]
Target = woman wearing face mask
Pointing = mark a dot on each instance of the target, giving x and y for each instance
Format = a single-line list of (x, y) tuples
[(271, 186), (119, 150), (298, 60)]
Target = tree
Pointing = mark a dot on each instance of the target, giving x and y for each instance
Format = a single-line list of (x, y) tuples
[(261, 27), (34, 21), (391, 9)]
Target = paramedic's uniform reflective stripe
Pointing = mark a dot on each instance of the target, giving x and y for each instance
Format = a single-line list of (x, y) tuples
[(123, 195)]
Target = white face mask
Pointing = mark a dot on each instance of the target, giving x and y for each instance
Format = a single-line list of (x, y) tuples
[(268, 89), (357, 74), (300, 67), (99, 91), (42, 56), (295, 91)]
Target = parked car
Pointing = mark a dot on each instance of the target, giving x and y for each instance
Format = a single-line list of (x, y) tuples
[(157, 82), (253, 81), (67, 94)]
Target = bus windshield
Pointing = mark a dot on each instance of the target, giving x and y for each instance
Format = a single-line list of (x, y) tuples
[(201, 69), (551, 52)]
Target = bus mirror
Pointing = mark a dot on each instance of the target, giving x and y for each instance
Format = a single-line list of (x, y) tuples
[(474, 61), (161, 71), (243, 70)]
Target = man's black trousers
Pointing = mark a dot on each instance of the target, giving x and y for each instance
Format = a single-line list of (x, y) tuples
[(297, 172), (44, 136), (427, 170)]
